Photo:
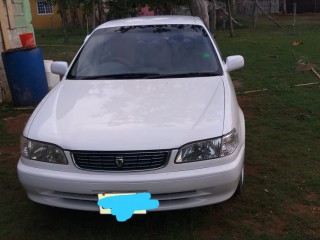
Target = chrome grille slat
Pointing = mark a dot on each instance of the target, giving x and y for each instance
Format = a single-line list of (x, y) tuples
[(106, 161)]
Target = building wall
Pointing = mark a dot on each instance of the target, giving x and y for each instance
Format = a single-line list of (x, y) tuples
[(48, 21), (45, 21)]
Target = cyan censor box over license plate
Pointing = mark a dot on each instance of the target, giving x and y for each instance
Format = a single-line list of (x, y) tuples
[(108, 210)]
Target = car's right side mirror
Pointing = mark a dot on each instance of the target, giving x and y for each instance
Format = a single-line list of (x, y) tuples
[(59, 68), (234, 62)]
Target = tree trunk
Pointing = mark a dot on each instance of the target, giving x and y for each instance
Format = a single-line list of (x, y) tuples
[(284, 2), (200, 9), (213, 16), (64, 20), (73, 7), (93, 15), (230, 18), (255, 14), (234, 6), (75, 17)]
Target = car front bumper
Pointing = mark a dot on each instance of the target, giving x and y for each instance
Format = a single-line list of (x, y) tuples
[(174, 190)]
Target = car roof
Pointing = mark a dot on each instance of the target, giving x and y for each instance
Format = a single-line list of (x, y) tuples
[(153, 20)]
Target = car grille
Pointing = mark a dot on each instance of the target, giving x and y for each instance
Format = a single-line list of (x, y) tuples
[(120, 161)]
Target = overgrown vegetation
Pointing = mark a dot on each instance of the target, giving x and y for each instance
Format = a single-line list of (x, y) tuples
[(282, 185)]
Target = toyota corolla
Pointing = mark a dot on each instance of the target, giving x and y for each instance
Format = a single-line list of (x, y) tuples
[(147, 105)]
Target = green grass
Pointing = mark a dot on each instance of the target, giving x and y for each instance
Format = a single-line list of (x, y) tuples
[(282, 186), (53, 46)]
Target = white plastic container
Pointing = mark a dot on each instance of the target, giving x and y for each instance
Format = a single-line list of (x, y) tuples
[(52, 79)]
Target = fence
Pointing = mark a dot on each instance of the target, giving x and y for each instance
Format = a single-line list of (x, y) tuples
[(269, 6)]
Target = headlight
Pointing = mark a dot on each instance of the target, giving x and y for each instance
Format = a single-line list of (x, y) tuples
[(208, 149), (43, 152), (230, 142)]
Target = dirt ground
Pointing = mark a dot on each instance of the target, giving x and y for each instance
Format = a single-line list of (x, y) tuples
[(14, 126)]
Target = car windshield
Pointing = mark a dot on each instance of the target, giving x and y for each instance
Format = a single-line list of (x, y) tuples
[(152, 51)]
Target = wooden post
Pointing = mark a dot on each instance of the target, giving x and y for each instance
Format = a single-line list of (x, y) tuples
[(12, 24), (4, 28)]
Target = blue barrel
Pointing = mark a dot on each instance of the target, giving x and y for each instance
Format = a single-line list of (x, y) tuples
[(26, 75)]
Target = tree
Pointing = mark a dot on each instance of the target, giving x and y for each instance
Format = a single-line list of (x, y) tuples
[(63, 7), (73, 8), (200, 9), (162, 6), (123, 8), (213, 15)]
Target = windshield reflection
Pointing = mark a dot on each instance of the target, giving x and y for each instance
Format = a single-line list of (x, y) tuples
[(154, 49)]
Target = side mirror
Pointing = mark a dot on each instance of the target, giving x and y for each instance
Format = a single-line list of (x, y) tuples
[(234, 62), (59, 68)]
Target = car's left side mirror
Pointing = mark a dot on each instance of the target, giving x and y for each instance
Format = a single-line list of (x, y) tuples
[(234, 62), (59, 68)]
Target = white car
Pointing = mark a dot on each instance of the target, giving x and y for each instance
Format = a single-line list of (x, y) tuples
[(147, 105)]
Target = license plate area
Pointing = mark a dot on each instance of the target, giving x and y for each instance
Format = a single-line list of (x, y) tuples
[(108, 210)]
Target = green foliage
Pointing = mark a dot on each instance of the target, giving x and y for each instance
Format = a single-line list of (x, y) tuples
[(122, 8), (163, 7), (125, 8)]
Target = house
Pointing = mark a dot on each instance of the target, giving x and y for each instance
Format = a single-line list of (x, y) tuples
[(44, 14)]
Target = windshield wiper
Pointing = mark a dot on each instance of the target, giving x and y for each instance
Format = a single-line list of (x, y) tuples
[(184, 75), (119, 76), (148, 75)]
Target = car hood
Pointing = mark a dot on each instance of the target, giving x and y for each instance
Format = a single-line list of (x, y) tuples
[(115, 115)]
